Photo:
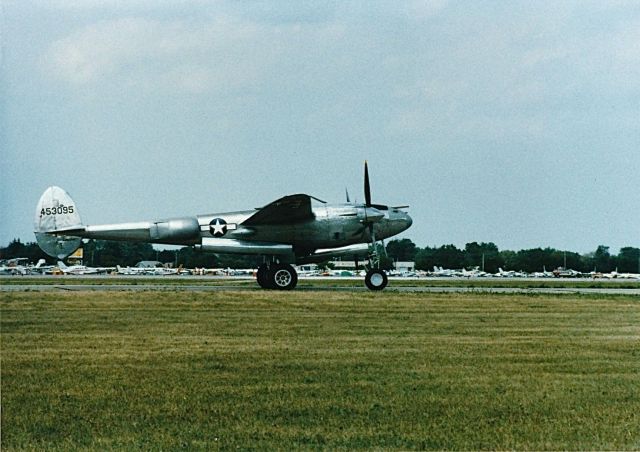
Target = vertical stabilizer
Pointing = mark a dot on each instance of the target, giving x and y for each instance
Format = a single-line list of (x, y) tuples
[(56, 211)]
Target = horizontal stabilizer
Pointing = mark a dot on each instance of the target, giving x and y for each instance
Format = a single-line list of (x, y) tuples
[(68, 231)]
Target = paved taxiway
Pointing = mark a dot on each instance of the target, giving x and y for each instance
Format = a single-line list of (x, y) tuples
[(244, 284), (409, 289)]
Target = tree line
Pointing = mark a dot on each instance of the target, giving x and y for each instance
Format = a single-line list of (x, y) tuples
[(489, 258), (108, 253), (486, 256)]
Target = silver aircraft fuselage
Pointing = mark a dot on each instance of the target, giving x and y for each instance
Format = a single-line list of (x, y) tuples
[(332, 226)]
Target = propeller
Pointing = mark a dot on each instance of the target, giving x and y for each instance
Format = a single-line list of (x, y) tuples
[(367, 186), (371, 211)]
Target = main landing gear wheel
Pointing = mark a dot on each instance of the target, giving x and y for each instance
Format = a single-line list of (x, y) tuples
[(263, 276), (277, 276), (283, 277), (376, 279)]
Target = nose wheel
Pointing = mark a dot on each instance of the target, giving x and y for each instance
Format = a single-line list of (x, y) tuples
[(376, 279)]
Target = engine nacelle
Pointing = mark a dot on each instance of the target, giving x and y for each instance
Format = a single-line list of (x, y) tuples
[(175, 230)]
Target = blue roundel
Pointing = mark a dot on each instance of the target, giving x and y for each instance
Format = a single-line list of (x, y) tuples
[(218, 227)]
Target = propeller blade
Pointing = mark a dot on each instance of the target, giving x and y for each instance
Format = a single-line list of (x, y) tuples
[(367, 187), (346, 191), (368, 226), (360, 231)]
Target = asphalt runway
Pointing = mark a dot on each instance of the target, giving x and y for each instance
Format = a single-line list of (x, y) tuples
[(158, 283)]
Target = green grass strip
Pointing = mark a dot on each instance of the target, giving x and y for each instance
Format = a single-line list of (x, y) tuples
[(309, 370)]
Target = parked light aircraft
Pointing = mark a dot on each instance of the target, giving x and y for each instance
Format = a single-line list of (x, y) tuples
[(14, 267), (510, 274), (566, 273), (82, 269), (295, 229), (443, 272), (543, 274), (614, 275), (475, 272), (158, 271), (42, 267)]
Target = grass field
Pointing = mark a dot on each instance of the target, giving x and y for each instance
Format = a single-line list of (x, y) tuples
[(307, 370)]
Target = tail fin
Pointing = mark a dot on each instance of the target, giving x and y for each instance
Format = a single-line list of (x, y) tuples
[(62, 266), (40, 263), (56, 214)]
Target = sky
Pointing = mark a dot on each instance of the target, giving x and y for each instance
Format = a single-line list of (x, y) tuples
[(515, 122)]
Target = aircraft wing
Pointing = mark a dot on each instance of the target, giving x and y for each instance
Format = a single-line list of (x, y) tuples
[(286, 210)]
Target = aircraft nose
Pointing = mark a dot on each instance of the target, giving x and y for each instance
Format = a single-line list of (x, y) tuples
[(408, 220), (402, 221)]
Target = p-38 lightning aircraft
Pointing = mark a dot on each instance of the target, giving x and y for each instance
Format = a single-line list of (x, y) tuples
[(295, 229)]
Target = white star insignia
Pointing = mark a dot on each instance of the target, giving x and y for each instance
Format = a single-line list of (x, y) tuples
[(218, 228)]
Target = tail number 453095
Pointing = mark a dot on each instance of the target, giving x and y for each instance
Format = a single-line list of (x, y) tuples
[(60, 210)]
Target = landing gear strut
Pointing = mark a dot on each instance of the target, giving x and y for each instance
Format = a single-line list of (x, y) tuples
[(376, 278), (277, 276)]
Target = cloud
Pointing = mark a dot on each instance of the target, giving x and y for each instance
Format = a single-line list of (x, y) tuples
[(425, 9), (106, 48), (148, 52), (515, 78), (470, 74), (192, 56), (114, 4)]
